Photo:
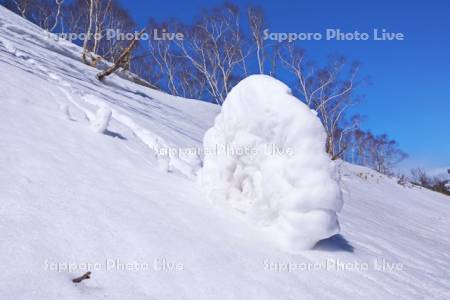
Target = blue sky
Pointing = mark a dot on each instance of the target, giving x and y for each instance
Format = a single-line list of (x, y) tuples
[(409, 98)]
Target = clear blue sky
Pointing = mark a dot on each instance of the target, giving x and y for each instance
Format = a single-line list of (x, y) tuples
[(410, 95)]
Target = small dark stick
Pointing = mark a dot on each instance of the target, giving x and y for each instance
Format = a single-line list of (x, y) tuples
[(86, 275)]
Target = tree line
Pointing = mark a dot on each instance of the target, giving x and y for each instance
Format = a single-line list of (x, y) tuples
[(221, 46)]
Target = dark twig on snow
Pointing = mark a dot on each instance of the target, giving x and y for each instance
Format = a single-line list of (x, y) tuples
[(86, 275)]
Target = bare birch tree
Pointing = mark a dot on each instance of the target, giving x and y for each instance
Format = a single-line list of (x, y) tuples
[(59, 4), (328, 90), (92, 7), (256, 22), (213, 47)]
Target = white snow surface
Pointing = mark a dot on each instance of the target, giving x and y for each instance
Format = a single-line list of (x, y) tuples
[(116, 203), (265, 156), (102, 119)]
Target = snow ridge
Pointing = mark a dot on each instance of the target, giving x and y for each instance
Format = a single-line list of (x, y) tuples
[(99, 121)]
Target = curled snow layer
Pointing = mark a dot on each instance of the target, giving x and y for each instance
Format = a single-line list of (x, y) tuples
[(102, 119), (167, 160), (265, 157)]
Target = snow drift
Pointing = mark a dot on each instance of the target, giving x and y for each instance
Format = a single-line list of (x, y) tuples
[(265, 157)]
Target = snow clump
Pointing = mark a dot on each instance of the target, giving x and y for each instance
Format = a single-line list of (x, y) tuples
[(265, 158)]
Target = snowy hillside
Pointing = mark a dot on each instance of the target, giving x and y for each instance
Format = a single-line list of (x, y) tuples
[(76, 196)]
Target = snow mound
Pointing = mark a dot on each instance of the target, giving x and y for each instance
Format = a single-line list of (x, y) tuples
[(265, 157)]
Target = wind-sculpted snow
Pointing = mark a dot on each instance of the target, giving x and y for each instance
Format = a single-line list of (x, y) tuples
[(265, 157), (101, 112), (102, 119)]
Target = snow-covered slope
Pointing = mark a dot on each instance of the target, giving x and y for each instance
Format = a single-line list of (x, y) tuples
[(72, 195)]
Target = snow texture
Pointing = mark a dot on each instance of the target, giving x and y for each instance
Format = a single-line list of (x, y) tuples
[(265, 157), (102, 118), (71, 196)]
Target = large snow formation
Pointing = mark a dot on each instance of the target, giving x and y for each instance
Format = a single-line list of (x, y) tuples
[(265, 157)]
